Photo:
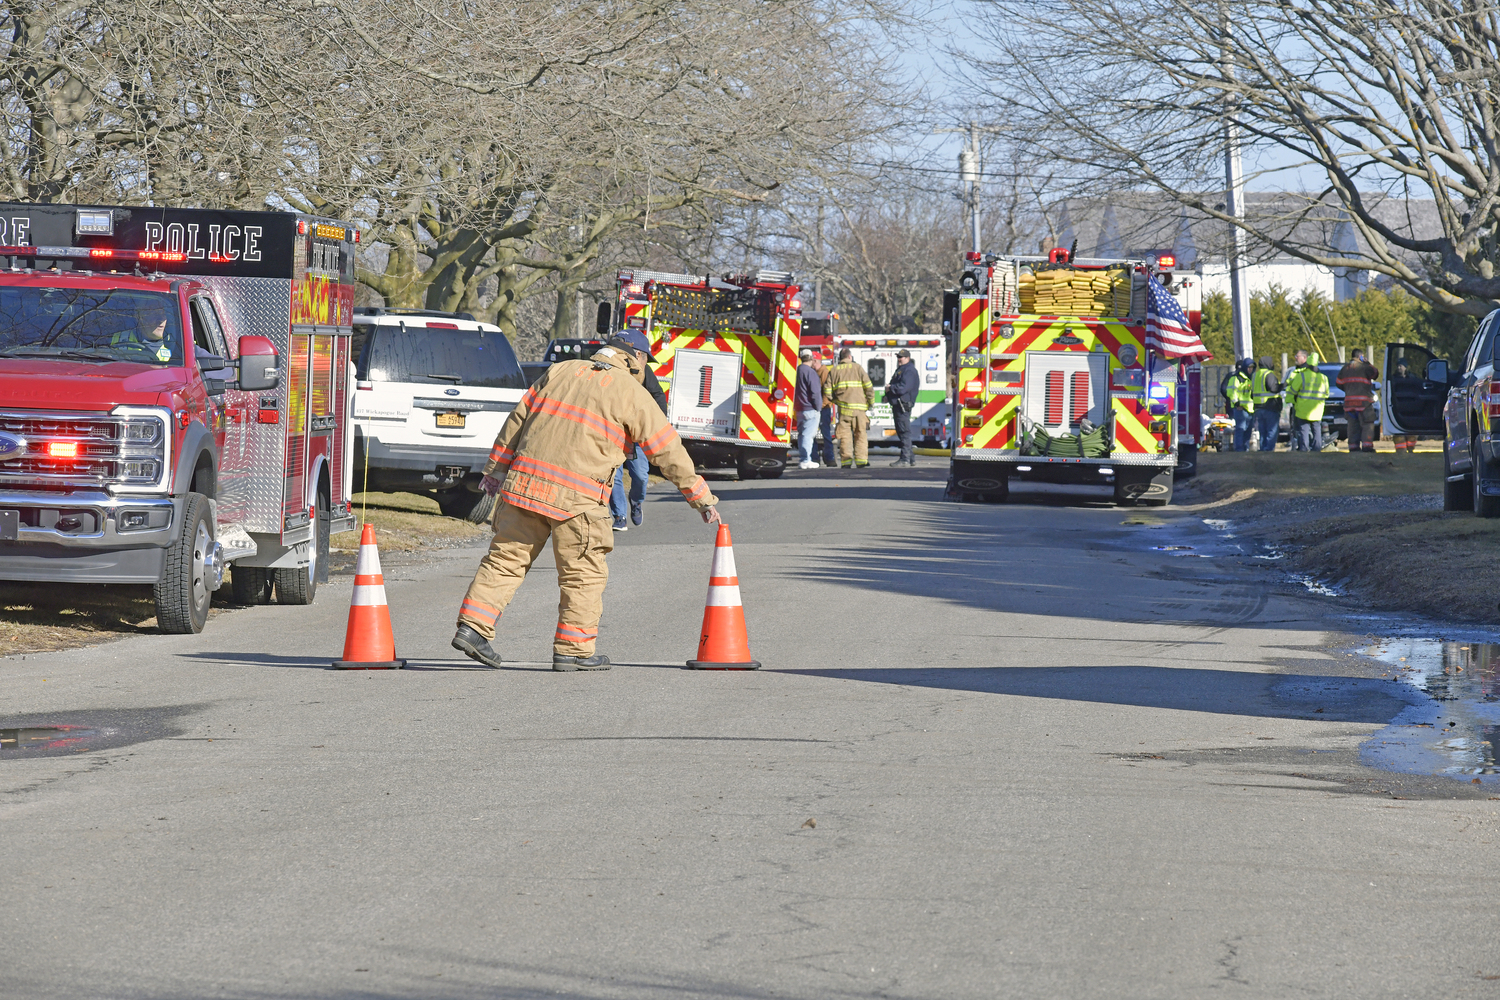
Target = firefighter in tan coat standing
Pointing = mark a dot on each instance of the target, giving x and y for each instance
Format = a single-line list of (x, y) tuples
[(553, 465), (849, 388)]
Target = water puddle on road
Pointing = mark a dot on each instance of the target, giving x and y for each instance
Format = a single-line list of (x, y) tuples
[(61, 734), (46, 741), (1453, 724), (1319, 587)]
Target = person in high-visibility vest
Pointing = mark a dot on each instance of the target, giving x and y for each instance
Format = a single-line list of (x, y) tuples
[(849, 387), (1236, 391), (1307, 392), (1265, 395), (1358, 379)]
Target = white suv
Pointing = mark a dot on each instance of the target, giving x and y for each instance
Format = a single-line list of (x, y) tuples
[(432, 390)]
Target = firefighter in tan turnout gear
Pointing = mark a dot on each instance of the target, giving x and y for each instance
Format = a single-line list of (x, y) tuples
[(553, 465), (850, 389)]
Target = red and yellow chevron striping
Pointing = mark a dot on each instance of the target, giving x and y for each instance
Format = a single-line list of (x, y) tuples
[(1007, 370)]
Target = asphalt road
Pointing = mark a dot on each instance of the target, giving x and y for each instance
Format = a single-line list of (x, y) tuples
[(996, 751)]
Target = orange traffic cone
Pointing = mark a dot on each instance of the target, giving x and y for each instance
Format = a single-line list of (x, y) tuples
[(724, 645), (368, 643)]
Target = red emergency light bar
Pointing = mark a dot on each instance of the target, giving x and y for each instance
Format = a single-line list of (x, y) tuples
[(869, 342), (1166, 260), (102, 253)]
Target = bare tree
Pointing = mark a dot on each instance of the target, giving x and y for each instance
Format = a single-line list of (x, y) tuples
[(1390, 104)]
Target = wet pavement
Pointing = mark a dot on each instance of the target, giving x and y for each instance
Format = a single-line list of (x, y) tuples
[(1453, 723), (66, 733), (1450, 726)]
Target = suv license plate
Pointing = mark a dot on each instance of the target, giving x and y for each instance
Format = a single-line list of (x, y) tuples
[(450, 419)]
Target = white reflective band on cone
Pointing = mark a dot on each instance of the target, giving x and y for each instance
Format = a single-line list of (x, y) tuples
[(368, 563), (369, 594), (723, 564), (724, 597)]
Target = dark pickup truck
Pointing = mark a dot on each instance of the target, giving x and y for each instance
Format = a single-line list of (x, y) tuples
[(1427, 396)]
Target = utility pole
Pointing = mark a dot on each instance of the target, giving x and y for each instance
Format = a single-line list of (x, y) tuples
[(1239, 289), (818, 281), (968, 173), (1234, 202)]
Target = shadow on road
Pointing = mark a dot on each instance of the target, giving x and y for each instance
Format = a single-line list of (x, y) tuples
[(1186, 689), (459, 662)]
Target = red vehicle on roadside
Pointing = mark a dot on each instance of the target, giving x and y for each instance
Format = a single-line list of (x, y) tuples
[(173, 400)]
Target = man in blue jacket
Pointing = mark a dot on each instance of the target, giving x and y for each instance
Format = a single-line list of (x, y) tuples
[(807, 401), (901, 394)]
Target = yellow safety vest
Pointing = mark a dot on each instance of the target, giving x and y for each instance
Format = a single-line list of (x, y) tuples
[(1238, 391), (1260, 388), (1307, 391)]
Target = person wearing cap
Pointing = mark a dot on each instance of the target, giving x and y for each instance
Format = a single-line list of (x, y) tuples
[(807, 400), (551, 466), (850, 388), (901, 395), (1265, 396), (636, 463)]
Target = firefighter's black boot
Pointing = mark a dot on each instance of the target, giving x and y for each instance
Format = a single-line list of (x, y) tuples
[(476, 647), (564, 664)]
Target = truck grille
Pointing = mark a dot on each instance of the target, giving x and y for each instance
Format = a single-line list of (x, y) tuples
[(98, 444)]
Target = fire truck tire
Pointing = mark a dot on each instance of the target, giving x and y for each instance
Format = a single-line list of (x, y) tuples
[(250, 584), (1143, 488), (183, 594), (300, 586), (483, 510)]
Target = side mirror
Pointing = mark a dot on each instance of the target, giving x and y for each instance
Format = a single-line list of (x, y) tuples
[(258, 364), (1437, 371), (214, 386), (601, 321)]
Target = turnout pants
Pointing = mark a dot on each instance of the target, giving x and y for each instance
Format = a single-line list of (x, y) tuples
[(855, 425), (1361, 428), (579, 546)]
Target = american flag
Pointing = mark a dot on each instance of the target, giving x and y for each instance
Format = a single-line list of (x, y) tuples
[(1167, 330)]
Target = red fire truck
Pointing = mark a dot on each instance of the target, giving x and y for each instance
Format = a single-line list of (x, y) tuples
[(174, 399), (1054, 383), (732, 343)]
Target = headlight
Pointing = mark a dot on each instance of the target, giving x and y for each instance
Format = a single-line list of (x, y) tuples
[(145, 445)]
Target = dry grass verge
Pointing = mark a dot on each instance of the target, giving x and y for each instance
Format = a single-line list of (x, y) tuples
[(1435, 563), (1329, 474), (1392, 547), (36, 618), (406, 522)]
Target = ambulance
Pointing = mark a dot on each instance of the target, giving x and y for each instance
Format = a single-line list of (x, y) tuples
[(1054, 382), (726, 354), (174, 399), (931, 417)]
